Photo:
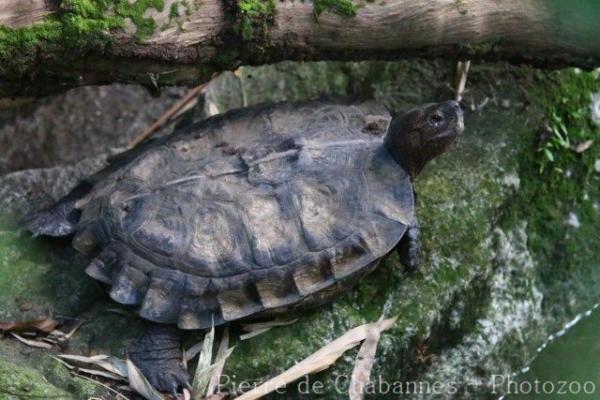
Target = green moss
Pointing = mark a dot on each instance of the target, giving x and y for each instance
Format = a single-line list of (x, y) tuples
[(86, 8), (18, 382), (188, 7), (145, 25), (59, 376), (226, 57), (479, 49), (79, 23), (50, 279), (568, 124), (174, 12), (562, 185), (460, 6), (341, 7), (254, 16)]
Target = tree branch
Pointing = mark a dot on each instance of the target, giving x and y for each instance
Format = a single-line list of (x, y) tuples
[(48, 44)]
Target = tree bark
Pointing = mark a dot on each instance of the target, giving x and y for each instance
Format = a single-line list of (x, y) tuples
[(50, 44)]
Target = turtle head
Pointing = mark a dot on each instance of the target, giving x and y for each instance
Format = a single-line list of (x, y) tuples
[(423, 133)]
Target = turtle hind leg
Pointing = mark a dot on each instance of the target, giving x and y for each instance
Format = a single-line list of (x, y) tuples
[(158, 355), (409, 248), (60, 219)]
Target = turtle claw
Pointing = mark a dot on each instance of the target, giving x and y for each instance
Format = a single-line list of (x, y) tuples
[(158, 355), (409, 248), (166, 376)]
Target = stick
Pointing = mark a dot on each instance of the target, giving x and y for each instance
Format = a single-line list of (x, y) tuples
[(462, 70), (163, 119)]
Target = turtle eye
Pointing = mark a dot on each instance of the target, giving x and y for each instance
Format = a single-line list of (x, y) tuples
[(435, 119)]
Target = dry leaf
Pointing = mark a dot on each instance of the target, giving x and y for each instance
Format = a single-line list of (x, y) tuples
[(204, 368), (32, 343), (583, 146), (268, 324), (68, 335), (364, 363), (462, 70), (140, 384), (254, 333), (259, 328), (109, 363), (222, 354), (215, 371), (319, 360), (43, 325), (193, 351), (66, 364), (103, 374)]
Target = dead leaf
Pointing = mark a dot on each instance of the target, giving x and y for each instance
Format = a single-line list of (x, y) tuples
[(462, 71), (204, 368), (69, 334), (193, 351), (140, 384), (111, 364), (364, 364), (268, 324), (104, 374), (66, 364), (583, 146), (222, 354), (319, 360), (254, 333), (43, 325), (32, 343), (259, 328)]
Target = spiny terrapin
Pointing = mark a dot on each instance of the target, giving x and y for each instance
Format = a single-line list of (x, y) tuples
[(259, 211)]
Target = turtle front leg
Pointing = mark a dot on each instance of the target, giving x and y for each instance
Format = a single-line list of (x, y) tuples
[(409, 248), (158, 355)]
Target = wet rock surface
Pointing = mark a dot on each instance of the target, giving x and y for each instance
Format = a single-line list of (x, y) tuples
[(480, 305), (75, 125)]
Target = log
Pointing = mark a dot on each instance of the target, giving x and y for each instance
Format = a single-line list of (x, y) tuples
[(46, 45)]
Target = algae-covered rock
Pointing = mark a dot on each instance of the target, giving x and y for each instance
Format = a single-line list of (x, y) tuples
[(18, 383), (500, 270)]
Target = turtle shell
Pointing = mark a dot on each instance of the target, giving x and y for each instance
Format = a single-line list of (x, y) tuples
[(251, 212)]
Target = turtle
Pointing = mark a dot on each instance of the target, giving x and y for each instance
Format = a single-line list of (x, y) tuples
[(261, 211)]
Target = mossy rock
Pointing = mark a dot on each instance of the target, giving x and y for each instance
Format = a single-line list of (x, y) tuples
[(488, 292), (17, 382)]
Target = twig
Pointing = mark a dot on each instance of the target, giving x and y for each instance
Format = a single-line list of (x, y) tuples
[(170, 113), (483, 104), (462, 70)]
